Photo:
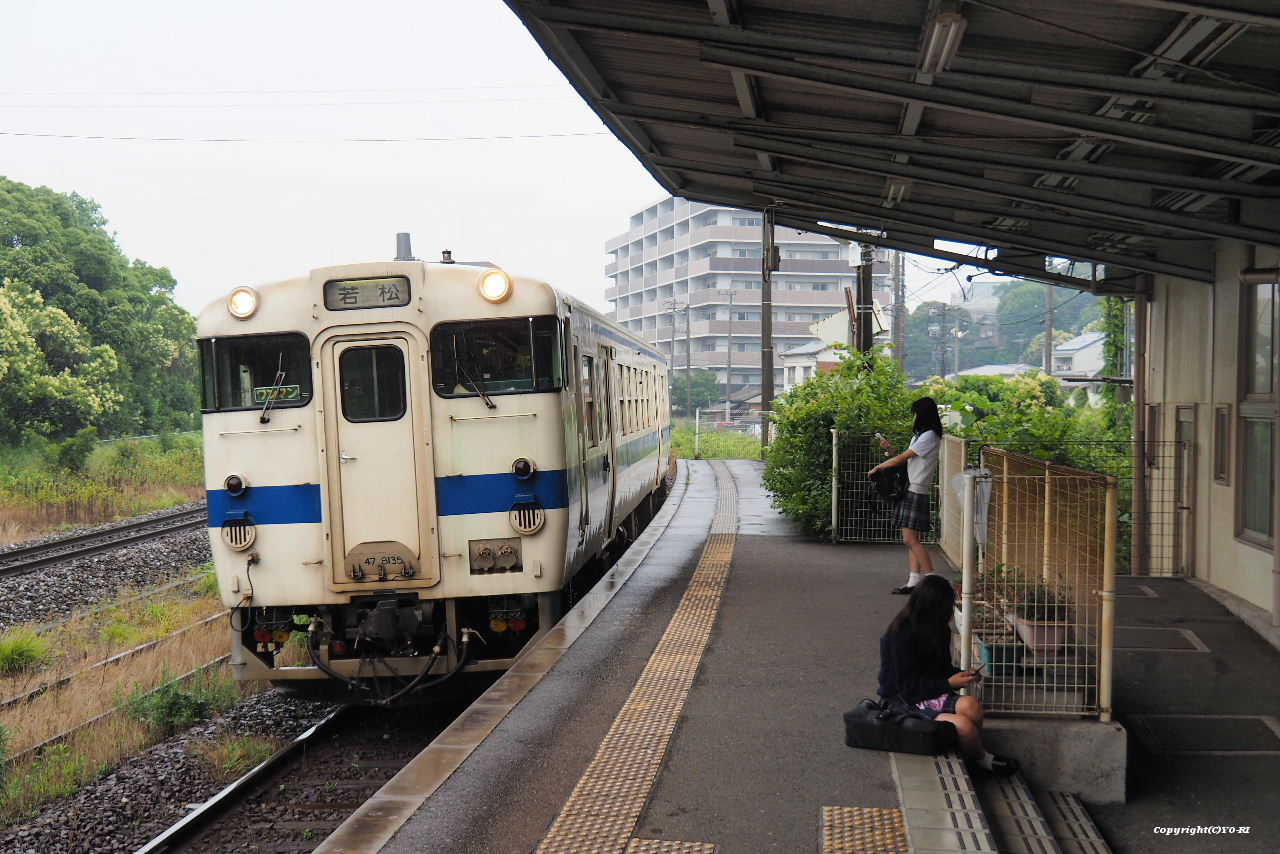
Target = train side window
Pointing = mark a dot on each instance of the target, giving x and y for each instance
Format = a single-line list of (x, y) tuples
[(589, 399), (372, 380)]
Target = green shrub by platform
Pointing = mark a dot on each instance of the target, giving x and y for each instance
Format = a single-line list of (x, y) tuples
[(866, 393)]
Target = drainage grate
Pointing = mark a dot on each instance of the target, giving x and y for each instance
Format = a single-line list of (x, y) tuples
[(1227, 735), (1148, 639)]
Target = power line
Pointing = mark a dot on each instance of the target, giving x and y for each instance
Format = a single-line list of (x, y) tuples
[(276, 104), (175, 92), (105, 138)]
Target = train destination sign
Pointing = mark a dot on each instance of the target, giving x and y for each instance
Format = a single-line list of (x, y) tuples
[(277, 393), (382, 292)]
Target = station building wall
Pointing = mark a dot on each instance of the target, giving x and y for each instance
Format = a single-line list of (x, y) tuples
[(1203, 362)]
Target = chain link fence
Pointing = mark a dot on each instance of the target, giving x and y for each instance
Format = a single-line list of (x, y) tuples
[(857, 514), (1038, 590), (1154, 537)]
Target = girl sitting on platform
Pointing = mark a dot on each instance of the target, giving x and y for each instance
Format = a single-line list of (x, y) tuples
[(916, 668)]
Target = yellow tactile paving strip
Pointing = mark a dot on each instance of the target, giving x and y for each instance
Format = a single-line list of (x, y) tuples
[(603, 809), (863, 830), (662, 846)]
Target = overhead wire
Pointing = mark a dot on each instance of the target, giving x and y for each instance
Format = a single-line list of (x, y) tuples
[(108, 138)]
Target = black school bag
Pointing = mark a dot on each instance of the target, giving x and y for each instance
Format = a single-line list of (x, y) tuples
[(887, 485), (893, 724)]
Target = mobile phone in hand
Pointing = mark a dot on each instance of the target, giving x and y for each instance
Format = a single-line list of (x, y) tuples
[(978, 668)]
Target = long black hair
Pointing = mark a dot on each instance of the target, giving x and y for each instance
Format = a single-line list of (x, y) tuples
[(925, 617), (927, 418)]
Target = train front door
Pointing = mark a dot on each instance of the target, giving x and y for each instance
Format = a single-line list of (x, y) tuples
[(374, 464)]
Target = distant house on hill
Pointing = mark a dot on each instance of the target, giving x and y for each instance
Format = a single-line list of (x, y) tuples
[(801, 363)]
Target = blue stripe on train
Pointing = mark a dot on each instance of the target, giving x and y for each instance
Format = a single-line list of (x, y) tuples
[(495, 493), (267, 505), (455, 496)]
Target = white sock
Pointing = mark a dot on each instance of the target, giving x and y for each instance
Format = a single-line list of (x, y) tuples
[(913, 579), (986, 761)]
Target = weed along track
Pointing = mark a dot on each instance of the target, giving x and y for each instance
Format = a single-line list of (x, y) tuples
[(296, 799)]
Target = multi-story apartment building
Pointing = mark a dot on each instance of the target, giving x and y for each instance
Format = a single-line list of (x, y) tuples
[(683, 262)]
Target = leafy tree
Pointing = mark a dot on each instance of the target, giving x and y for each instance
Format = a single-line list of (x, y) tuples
[(115, 321), (52, 376), (861, 395), (706, 390)]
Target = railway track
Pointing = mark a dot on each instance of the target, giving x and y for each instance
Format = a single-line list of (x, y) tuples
[(25, 559), (296, 798)]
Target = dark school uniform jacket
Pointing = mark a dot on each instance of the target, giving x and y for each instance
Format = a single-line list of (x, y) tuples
[(907, 673)]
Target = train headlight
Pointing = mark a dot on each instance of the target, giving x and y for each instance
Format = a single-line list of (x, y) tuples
[(235, 485), (495, 286), (523, 468), (242, 303)]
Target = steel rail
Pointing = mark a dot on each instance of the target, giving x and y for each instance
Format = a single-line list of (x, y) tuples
[(25, 559), (190, 824)]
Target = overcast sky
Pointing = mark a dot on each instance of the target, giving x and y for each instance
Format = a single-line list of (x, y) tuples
[(244, 142)]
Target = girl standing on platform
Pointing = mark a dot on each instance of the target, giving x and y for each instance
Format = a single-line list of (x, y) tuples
[(912, 511)]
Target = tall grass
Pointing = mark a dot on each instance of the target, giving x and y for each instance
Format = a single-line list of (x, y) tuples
[(714, 445), (119, 479), (135, 698)]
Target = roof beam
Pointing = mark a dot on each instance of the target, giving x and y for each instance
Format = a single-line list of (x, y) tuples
[(994, 265), (1259, 12), (905, 60), (868, 213), (1060, 200), (871, 213), (925, 147), (1185, 142), (725, 14)]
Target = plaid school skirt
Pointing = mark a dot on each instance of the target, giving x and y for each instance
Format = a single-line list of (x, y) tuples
[(912, 511)]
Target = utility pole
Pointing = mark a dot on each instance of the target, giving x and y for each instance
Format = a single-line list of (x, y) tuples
[(899, 308), (688, 363), (1048, 330), (863, 333), (935, 332), (675, 306), (955, 346), (728, 370), (769, 262)]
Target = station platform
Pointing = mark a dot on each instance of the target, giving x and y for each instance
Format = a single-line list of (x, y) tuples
[(693, 702)]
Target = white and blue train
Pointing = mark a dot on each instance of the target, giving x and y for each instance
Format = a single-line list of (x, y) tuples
[(410, 462)]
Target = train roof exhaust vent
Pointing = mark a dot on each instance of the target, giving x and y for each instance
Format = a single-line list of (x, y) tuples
[(404, 249)]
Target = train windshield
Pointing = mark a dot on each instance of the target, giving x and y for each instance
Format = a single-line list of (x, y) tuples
[(252, 371), (511, 355)]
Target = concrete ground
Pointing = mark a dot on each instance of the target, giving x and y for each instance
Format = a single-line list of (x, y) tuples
[(759, 749)]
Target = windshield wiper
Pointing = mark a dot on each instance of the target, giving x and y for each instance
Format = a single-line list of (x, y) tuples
[(263, 418), (467, 375)]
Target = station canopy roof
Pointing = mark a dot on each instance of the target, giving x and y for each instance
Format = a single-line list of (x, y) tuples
[(1083, 143)]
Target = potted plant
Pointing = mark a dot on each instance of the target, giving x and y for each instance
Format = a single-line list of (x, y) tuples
[(1042, 618), (995, 643)]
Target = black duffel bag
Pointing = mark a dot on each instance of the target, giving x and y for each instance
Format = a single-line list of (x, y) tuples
[(895, 724)]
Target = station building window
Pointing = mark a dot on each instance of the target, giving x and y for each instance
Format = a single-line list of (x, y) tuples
[(1255, 510)]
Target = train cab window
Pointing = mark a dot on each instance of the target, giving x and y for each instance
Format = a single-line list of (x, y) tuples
[(248, 371), (372, 380), (511, 355)]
